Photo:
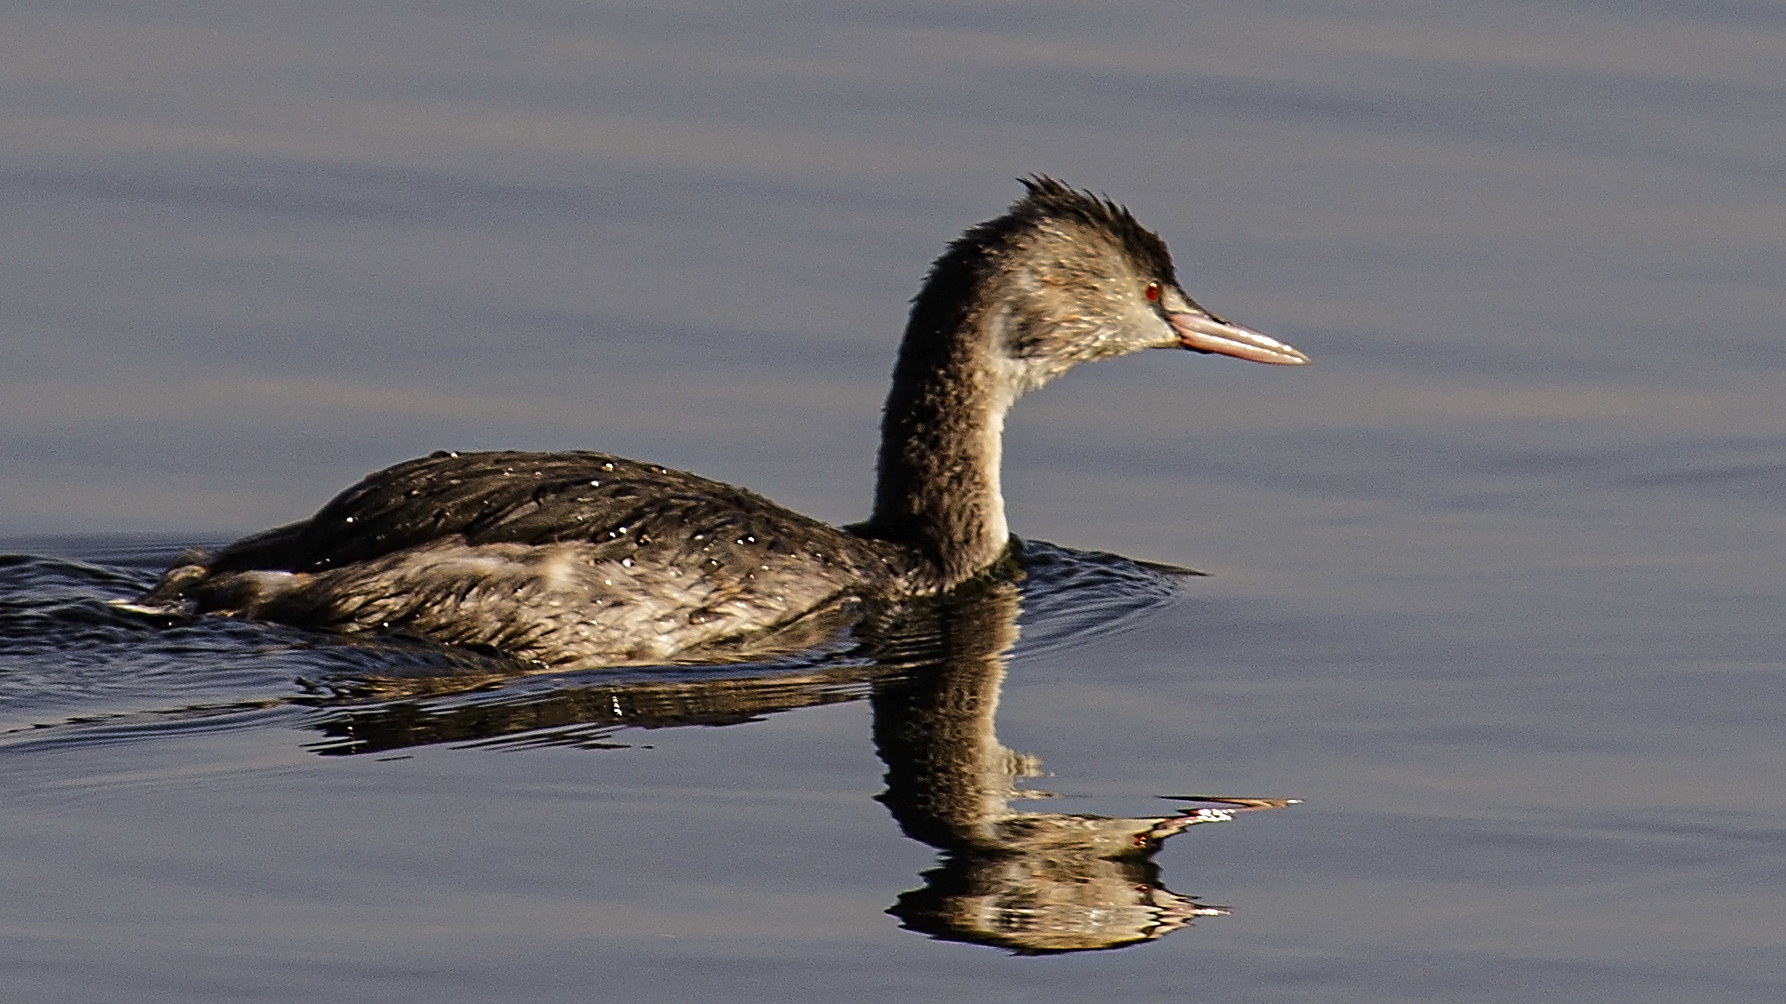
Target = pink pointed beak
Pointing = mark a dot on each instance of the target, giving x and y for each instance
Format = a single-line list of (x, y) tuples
[(1201, 332)]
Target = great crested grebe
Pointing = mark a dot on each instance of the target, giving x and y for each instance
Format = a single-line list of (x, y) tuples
[(563, 559)]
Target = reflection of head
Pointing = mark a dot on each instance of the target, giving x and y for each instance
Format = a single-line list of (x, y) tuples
[(1046, 902)]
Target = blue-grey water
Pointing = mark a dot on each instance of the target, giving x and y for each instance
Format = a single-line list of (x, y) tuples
[(1496, 587)]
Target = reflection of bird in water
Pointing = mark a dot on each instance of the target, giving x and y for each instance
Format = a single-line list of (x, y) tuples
[(1029, 881), (587, 559)]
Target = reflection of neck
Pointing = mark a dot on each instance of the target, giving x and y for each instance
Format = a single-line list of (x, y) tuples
[(1027, 881), (949, 779)]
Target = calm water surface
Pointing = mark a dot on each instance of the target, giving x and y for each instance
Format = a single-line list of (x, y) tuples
[(1496, 584)]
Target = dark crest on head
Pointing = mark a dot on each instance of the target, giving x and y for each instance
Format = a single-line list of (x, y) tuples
[(1049, 198), (938, 305)]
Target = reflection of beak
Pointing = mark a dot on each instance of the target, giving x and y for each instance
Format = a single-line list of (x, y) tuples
[(1202, 332), (1221, 808)]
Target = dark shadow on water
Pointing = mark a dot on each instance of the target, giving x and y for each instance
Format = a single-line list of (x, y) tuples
[(1028, 882)]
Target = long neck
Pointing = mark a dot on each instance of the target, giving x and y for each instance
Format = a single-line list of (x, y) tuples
[(941, 439)]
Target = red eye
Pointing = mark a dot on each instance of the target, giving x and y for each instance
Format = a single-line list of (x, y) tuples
[(1153, 292)]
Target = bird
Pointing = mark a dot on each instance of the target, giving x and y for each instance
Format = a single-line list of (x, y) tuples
[(580, 559)]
